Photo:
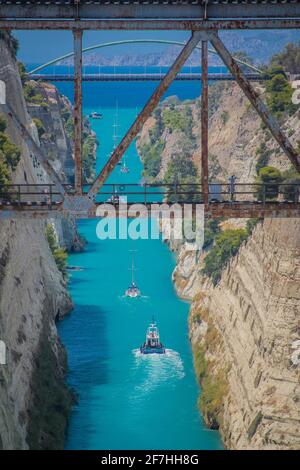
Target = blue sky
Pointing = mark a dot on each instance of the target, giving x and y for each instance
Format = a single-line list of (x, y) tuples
[(41, 46)]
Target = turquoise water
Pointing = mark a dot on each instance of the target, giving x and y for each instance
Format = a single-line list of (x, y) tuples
[(127, 401)]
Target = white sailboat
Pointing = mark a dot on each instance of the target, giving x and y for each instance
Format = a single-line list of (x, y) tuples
[(124, 167), (133, 291)]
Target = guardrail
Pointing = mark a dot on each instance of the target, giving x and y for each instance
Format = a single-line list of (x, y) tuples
[(48, 196)]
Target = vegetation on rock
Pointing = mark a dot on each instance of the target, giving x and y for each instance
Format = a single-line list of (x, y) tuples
[(9, 154), (289, 58), (60, 254), (227, 244), (279, 93)]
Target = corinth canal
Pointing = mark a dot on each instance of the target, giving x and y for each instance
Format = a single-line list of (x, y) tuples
[(126, 401)]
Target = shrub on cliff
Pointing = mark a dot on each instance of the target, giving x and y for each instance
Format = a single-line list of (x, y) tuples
[(88, 157), (289, 59), (3, 123), (279, 93), (270, 177), (9, 154), (263, 155), (33, 96), (151, 156), (40, 127), (291, 188), (11, 151), (60, 255), (4, 171), (226, 245)]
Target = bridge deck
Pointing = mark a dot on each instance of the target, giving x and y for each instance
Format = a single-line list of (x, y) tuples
[(225, 200), (141, 77), (234, 14)]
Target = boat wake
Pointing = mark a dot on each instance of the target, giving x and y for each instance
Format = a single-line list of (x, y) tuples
[(156, 369), (143, 298)]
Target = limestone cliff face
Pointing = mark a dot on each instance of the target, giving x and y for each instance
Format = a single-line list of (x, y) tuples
[(235, 135), (58, 146), (34, 401), (247, 329)]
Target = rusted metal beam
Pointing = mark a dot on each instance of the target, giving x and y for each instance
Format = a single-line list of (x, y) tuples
[(145, 113), (253, 210), (150, 25), (142, 9), (215, 210), (78, 109), (256, 101), (34, 148), (204, 121)]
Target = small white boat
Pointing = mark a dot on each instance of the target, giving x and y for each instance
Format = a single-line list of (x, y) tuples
[(96, 115), (133, 291), (124, 168)]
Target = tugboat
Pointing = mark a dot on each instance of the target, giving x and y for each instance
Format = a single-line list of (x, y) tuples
[(152, 345), (96, 115), (133, 291)]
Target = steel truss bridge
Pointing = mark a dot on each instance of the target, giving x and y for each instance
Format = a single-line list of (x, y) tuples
[(204, 19)]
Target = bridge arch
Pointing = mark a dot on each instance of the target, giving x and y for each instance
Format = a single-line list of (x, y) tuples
[(132, 41)]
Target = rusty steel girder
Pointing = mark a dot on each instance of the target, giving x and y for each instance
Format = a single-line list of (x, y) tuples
[(150, 9), (145, 113), (204, 122), (78, 109), (256, 101), (253, 210), (213, 210), (148, 25)]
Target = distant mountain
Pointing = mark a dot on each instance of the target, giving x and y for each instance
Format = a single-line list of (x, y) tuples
[(259, 45)]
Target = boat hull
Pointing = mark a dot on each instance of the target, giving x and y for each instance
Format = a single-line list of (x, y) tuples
[(148, 350), (133, 294)]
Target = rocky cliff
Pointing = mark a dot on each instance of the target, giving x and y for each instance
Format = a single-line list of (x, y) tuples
[(244, 329), (245, 336), (34, 401)]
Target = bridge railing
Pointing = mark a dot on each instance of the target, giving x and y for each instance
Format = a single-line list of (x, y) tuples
[(192, 193), (46, 195)]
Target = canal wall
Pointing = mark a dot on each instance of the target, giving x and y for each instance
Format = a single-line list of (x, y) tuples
[(34, 400)]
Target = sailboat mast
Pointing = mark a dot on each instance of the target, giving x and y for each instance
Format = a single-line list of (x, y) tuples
[(132, 269)]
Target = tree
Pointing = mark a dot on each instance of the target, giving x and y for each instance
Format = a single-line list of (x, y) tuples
[(291, 188), (279, 92), (269, 177), (11, 151), (60, 255), (226, 245), (289, 59), (3, 124)]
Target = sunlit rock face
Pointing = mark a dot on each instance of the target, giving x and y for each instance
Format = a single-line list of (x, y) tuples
[(32, 296)]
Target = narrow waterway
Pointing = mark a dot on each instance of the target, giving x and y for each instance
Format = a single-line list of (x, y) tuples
[(127, 401)]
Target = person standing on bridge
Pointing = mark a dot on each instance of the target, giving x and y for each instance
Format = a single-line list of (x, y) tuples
[(231, 187)]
